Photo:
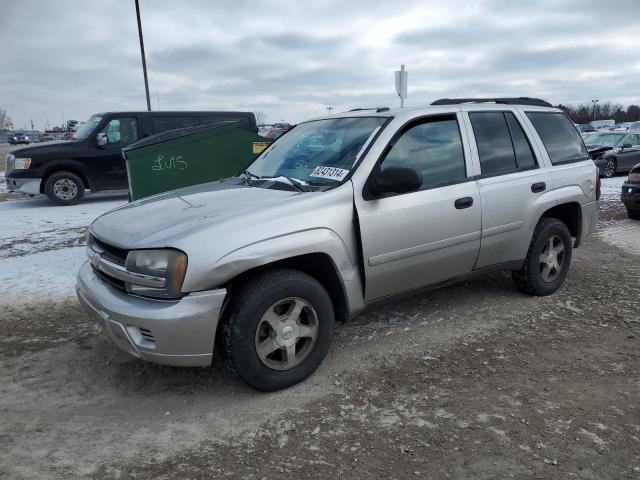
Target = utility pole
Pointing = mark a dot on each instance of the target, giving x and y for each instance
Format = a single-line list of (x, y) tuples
[(329, 110), (401, 84), (593, 111), (144, 62)]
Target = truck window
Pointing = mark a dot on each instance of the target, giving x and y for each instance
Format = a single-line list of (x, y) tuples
[(524, 154), (434, 148), (121, 131), (562, 141), (162, 124)]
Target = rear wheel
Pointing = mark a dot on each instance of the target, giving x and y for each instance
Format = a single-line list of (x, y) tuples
[(610, 168), (548, 259), (64, 188), (633, 214), (279, 329)]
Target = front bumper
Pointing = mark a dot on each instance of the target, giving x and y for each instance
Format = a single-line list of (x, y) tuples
[(631, 196), (28, 186), (179, 333)]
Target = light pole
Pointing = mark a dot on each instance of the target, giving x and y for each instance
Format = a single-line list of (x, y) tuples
[(144, 62), (329, 110), (593, 111)]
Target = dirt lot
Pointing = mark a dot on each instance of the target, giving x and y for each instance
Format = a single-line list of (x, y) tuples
[(471, 381)]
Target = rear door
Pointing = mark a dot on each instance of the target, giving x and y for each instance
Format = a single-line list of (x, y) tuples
[(511, 180), (423, 237)]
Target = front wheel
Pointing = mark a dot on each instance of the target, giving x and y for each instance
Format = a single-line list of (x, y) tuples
[(64, 188), (548, 259), (279, 329)]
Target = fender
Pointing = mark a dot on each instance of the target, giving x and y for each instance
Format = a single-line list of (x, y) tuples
[(571, 193), (264, 252), (67, 164)]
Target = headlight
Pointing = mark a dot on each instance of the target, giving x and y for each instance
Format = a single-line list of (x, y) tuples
[(170, 265), (634, 177), (21, 163)]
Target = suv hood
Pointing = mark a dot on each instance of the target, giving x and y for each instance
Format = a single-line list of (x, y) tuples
[(159, 220)]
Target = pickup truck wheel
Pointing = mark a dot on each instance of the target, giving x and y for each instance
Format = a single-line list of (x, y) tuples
[(279, 329), (64, 188), (548, 259)]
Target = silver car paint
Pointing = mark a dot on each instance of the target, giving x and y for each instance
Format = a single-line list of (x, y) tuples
[(408, 240)]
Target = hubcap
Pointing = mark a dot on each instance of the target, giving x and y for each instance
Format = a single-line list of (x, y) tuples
[(552, 259), (609, 169), (286, 333), (65, 189)]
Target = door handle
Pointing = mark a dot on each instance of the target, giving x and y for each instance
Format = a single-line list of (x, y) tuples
[(538, 187), (464, 202)]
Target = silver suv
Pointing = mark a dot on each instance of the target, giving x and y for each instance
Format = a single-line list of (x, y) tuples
[(340, 213)]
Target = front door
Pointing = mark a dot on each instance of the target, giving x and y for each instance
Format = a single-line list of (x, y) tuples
[(108, 168), (629, 154), (423, 237)]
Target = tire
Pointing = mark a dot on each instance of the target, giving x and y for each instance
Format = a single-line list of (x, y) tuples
[(64, 188), (610, 168), (633, 214), (267, 299), (530, 278)]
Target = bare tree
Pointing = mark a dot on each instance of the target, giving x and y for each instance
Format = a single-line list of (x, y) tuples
[(6, 123), (261, 118)]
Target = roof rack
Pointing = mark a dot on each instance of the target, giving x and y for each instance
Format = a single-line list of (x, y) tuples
[(537, 102), (377, 109)]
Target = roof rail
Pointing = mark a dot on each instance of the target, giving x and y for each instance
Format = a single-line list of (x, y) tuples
[(537, 102), (377, 109)]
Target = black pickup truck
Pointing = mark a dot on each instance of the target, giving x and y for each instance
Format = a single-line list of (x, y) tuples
[(92, 159)]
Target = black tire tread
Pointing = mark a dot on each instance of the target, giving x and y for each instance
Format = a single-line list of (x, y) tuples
[(522, 277), (248, 293)]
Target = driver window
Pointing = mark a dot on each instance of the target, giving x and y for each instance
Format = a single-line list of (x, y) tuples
[(434, 148), (630, 140), (121, 131)]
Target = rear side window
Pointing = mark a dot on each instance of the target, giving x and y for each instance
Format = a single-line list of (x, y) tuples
[(494, 142), (521, 145), (162, 124), (560, 138), (502, 144)]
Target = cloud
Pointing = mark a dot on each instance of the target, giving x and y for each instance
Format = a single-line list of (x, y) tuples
[(292, 60)]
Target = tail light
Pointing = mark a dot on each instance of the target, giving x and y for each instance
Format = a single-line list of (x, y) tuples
[(598, 184)]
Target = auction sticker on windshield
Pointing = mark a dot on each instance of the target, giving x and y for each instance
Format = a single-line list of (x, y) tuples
[(331, 173)]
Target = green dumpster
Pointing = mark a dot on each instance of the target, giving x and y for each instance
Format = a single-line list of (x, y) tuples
[(189, 156)]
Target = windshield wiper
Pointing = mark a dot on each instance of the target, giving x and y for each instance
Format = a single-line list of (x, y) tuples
[(293, 182), (247, 176)]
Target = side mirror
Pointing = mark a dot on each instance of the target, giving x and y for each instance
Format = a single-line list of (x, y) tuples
[(396, 180), (626, 145), (101, 139)]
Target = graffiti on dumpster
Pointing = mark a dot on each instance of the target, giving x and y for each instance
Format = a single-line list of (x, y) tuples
[(173, 163)]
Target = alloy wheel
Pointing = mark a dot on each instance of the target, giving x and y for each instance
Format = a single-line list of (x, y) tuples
[(552, 259), (286, 333)]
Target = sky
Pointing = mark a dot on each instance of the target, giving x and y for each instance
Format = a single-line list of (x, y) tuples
[(291, 59)]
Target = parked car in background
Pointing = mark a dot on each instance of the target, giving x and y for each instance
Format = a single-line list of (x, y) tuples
[(631, 193), (92, 158), (18, 138), (614, 152), (275, 133), (598, 124), (586, 128), (635, 126), (340, 213)]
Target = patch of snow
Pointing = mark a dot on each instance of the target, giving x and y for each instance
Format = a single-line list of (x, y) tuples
[(610, 188), (624, 234), (36, 224), (45, 277)]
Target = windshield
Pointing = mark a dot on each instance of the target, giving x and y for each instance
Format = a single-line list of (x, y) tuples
[(604, 140), (320, 152), (85, 130)]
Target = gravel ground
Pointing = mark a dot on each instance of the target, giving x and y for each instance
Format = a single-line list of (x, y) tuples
[(470, 381)]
